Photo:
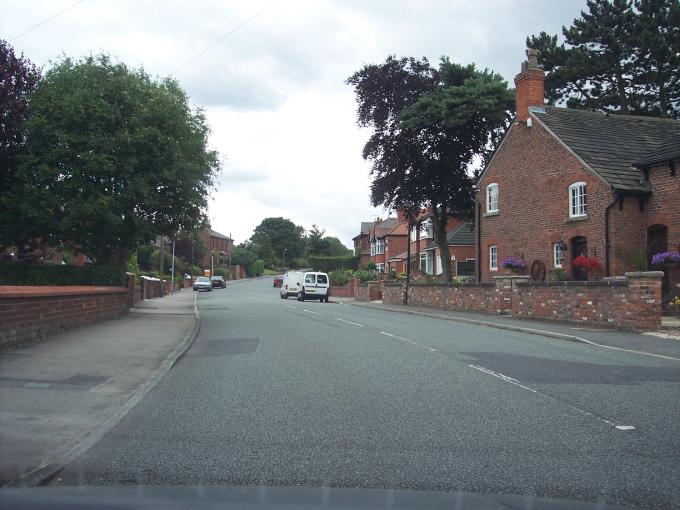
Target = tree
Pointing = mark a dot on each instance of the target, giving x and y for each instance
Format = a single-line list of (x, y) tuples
[(190, 247), (112, 158), (273, 235), (429, 125), (18, 78), (619, 57)]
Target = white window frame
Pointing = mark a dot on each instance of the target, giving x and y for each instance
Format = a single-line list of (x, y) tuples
[(492, 198), (423, 258), (372, 248), (379, 247), (380, 267), (412, 234), (578, 193), (493, 257), (558, 261)]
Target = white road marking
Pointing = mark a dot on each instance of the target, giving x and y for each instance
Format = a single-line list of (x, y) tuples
[(413, 342), (349, 322), (36, 385), (510, 380), (315, 313)]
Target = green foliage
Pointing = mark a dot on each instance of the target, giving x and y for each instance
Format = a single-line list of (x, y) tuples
[(558, 275), (371, 266), (12, 273), (364, 276), (242, 256), (18, 78), (429, 126), (327, 264), (224, 273), (133, 267), (338, 277), (274, 235), (167, 262), (190, 248), (195, 271), (144, 256), (318, 245), (112, 159), (620, 56), (255, 268)]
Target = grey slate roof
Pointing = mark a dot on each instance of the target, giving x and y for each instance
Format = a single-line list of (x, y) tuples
[(385, 227), (611, 144), (463, 235), (366, 226), (214, 233), (665, 152)]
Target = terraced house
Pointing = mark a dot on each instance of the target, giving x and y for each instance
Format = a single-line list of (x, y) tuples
[(579, 194)]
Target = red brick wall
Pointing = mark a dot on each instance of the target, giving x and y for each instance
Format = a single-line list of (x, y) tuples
[(634, 303), (533, 172), (31, 313)]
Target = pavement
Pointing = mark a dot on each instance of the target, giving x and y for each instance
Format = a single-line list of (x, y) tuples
[(61, 395), (660, 345)]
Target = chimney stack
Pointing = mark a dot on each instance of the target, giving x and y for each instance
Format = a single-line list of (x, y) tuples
[(529, 86)]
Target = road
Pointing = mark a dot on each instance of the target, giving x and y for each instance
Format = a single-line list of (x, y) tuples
[(286, 393)]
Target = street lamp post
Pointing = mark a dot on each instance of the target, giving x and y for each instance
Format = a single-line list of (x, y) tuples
[(283, 258)]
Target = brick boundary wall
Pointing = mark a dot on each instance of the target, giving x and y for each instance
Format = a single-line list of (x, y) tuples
[(32, 312), (632, 303), (346, 291)]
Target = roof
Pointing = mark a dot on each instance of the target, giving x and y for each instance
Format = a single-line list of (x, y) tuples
[(462, 235), (664, 153), (400, 230), (401, 256), (366, 226), (611, 144), (384, 227), (215, 233)]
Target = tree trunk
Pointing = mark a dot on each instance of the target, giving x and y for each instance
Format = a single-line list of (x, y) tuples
[(439, 219)]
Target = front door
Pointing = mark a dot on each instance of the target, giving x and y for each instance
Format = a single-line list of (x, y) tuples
[(579, 246)]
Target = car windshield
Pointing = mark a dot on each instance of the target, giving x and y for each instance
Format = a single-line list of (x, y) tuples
[(480, 296)]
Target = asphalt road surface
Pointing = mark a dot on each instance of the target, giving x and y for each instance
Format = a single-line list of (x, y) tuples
[(283, 393)]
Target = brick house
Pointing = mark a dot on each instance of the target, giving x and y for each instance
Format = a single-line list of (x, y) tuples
[(217, 244), (362, 244), (565, 183)]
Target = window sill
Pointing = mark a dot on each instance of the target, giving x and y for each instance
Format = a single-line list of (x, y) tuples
[(492, 213), (494, 270), (572, 219)]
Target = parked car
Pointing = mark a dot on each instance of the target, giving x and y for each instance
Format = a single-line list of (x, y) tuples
[(202, 283), (315, 286), (218, 281), (278, 281), (290, 286)]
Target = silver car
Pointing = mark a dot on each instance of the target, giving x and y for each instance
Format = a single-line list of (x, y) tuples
[(202, 283)]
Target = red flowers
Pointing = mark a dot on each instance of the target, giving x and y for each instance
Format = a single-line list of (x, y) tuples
[(586, 262)]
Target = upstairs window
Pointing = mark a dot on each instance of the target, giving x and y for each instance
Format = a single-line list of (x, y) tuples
[(577, 199), (372, 248), (492, 198), (379, 246)]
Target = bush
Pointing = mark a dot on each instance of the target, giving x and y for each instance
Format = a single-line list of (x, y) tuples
[(371, 266), (13, 273), (144, 256), (255, 268), (364, 276), (338, 277), (328, 264)]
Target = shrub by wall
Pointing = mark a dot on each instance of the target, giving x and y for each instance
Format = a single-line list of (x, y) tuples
[(13, 273), (328, 264)]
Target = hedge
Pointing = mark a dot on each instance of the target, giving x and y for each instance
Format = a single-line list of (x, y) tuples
[(328, 264), (14, 273)]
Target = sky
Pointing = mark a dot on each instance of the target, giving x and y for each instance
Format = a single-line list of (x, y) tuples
[(270, 76)]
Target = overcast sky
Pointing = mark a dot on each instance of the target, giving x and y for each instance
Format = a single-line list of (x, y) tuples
[(273, 87)]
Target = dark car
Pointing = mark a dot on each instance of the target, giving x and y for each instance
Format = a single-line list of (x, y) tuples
[(218, 281), (278, 281)]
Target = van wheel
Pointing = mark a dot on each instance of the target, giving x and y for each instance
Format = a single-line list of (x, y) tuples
[(301, 297)]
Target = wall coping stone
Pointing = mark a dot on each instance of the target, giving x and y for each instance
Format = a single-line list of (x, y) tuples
[(37, 291), (513, 277), (644, 274), (593, 283)]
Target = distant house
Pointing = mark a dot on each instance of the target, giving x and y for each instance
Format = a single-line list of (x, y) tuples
[(219, 246), (362, 243), (567, 183)]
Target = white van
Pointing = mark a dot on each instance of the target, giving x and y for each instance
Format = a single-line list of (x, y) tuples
[(292, 281), (315, 286)]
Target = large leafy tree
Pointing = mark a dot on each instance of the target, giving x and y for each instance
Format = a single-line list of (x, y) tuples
[(273, 235), (112, 158), (621, 56), (429, 127), (18, 78)]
